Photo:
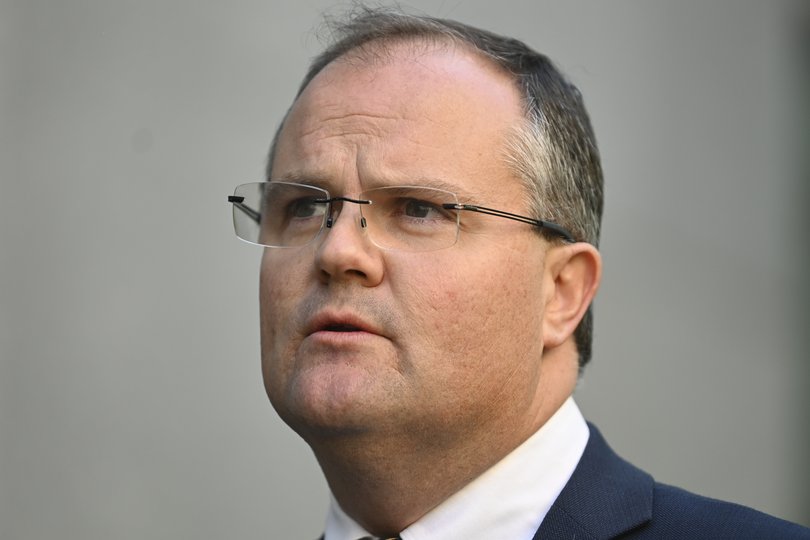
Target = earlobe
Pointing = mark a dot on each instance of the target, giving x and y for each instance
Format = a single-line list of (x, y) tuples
[(573, 273)]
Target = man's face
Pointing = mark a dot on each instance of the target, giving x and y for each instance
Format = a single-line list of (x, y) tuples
[(361, 341)]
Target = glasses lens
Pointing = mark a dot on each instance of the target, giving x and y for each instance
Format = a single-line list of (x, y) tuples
[(410, 218), (278, 214)]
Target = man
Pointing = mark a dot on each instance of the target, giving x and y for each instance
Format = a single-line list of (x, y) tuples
[(431, 219)]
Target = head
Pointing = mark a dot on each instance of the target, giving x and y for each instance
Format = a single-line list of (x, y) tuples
[(465, 343), (552, 149)]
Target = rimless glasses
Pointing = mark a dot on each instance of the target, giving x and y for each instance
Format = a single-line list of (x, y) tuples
[(400, 218)]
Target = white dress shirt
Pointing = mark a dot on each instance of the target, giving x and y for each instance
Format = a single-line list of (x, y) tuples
[(508, 501)]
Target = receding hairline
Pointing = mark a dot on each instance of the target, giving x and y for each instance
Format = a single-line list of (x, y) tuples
[(388, 49)]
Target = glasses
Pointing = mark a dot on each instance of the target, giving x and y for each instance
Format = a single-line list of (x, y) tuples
[(400, 218)]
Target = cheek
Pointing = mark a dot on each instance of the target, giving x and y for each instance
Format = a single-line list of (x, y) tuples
[(278, 291), (473, 312), (473, 340), (271, 300)]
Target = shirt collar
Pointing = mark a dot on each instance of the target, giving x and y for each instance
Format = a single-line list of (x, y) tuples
[(509, 500)]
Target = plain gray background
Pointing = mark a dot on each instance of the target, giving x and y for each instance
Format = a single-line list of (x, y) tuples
[(131, 404)]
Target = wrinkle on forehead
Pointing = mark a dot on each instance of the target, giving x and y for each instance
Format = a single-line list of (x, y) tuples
[(346, 124)]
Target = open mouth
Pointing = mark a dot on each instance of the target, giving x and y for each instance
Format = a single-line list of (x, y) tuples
[(341, 328), (339, 323)]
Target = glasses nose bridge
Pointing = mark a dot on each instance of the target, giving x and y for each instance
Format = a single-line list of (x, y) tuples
[(334, 211)]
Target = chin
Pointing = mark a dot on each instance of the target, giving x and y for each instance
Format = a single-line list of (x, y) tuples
[(323, 402)]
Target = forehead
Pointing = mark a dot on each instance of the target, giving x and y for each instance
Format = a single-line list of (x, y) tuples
[(437, 111)]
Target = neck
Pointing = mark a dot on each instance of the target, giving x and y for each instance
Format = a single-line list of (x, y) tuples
[(386, 482), (385, 495)]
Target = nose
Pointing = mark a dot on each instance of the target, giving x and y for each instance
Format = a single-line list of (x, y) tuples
[(346, 253)]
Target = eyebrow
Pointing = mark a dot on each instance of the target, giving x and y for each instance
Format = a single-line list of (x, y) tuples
[(298, 177), (438, 183), (323, 182)]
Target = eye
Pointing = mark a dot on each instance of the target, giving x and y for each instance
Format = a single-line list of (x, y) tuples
[(305, 207), (421, 209), (410, 208)]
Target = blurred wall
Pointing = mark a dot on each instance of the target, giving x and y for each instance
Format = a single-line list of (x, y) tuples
[(131, 404)]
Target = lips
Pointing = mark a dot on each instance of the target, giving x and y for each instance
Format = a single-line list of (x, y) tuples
[(327, 321)]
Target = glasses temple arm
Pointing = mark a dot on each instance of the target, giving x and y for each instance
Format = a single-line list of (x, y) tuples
[(552, 227), (238, 203)]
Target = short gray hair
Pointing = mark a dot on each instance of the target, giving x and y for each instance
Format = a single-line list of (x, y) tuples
[(553, 152)]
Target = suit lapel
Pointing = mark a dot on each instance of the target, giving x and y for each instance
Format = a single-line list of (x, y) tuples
[(605, 497)]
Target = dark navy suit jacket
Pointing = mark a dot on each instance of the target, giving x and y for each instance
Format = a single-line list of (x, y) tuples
[(608, 497)]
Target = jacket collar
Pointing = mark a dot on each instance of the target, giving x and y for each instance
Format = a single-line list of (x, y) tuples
[(605, 497)]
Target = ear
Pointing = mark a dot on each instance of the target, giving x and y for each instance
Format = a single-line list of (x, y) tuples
[(572, 275)]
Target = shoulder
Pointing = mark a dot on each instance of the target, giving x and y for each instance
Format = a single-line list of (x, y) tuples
[(607, 497), (677, 513)]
